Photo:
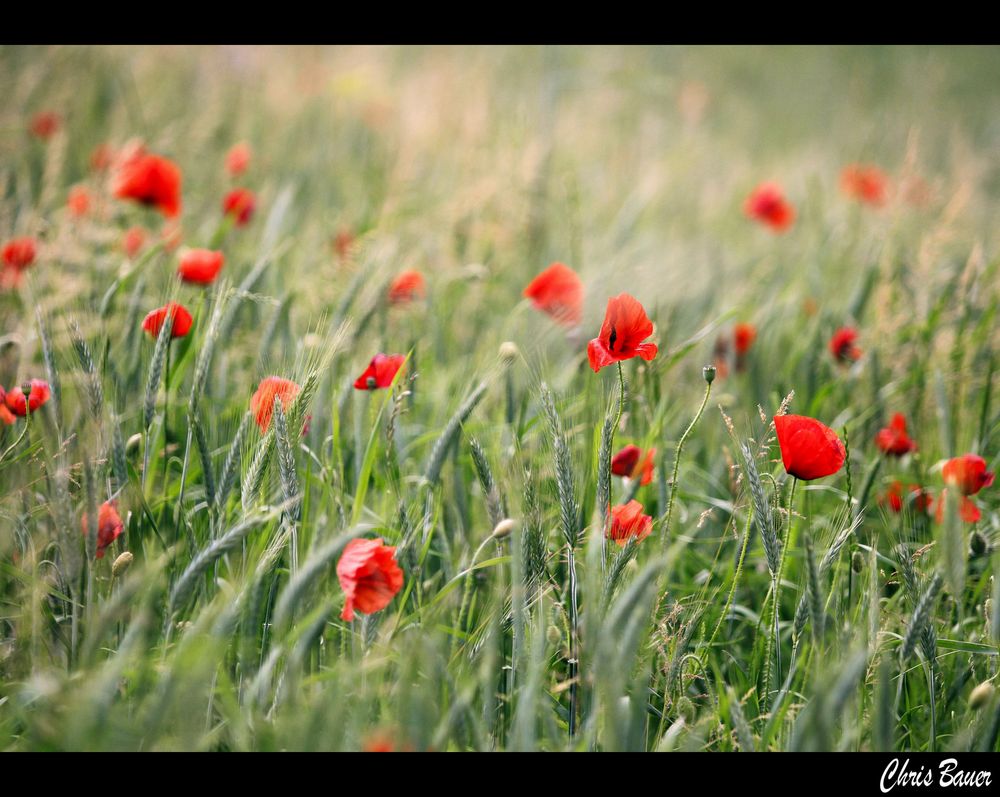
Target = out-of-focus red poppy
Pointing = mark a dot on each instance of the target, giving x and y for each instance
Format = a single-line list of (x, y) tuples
[(262, 401), (6, 416), (894, 498), (809, 449), (78, 200), (200, 266), (967, 474), (558, 292), (628, 521), (240, 204), (767, 204), (380, 371), (967, 509), (631, 463), (343, 243), (150, 180), (102, 157), (743, 337), (109, 526), (182, 320), (625, 326), (45, 124), (867, 184), (238, 158), (133, 241), (19, 253), (843, 345), (721, 354), (893, 439), (369, 576), (38, 393), (407, 286)]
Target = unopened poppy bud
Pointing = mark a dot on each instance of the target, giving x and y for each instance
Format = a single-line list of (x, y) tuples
[(981, 695), (133, 443), (857, 562), (122, 563), (977, 544), (553, 635), (503, 528), (709, 373), (686, 710), (509, 351)]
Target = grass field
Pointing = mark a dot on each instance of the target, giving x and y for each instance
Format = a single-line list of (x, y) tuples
[(753, 611)]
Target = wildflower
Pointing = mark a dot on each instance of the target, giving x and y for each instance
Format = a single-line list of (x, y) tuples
[(78, 200), (967, 473), (19, 253), (967, 509), (809, 449), (45, 124), (150, 180), (893, 439), (893, 496), (109, 526), (842, 345), (369, 576), (627, 522), (240, 204), (181, 318), (625, 327), (38, 393), (200, 266), (865, 183), (262, 401), (630, 462), (133, 241), (407, 286), (101, 158), (767, 205), (238, 158), (380, 371), (558, 292), (743, 337)]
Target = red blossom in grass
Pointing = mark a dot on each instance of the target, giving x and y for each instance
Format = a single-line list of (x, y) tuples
[(407, 286), (343, 243), (628, 522), (38, 393), (842, 345), (133, 241), (369, 576), (238, 158), (45, 124), (967, 509), (155, 320), (380, 371), (631, 463), (809, 449), (262, 401), (239, 203), (78, 200), (18, 254), (743, 337), (967, 474), (767, 204), (625, 326), (200, 266), (149, 180), (109, 526), (893, 439), (865, 183), (894, 498), (558, 292), (6, 416)]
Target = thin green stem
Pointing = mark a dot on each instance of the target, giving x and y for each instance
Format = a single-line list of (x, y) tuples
[(773, 641), (736, 578), (677, 463)]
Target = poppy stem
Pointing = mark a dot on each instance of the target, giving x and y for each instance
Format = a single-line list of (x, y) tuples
[(775, 642), (166, 416), (677, 463)]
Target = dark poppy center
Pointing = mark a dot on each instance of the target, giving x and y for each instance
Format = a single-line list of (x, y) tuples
[(612, 338)]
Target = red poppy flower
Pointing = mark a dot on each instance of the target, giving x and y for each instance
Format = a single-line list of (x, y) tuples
[(767, 205), (369, 576), (182, 320), (809, 449), (627, 521), (893, 439), (406, 287), (743, 337), (558, 292), (149, 180), (38, 394), (967, 509), (262, 402), (19, 253), (238, 158), (865, 183), (78, 200), (842, 345), (343, 243), (630, 462), (45, 124), (133, 241), (109, 526), (6, 415), (200, 266), (967, 473), (625, 327), (380, 371), (239, 203), (893, 496)]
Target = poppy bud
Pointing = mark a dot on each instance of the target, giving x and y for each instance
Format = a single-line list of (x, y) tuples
[(981, 695), (121, 564), (709, 373), (509, 352), (503, 528), (857, 562), (553, 635), (132, 446)]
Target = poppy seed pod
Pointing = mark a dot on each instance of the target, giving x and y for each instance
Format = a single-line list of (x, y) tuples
[(709, 373), (121, 564), (857, 562)]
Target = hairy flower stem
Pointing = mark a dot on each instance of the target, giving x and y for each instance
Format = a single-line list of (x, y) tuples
[(773, 642), (606, 510), (736, 577), (677, 463)]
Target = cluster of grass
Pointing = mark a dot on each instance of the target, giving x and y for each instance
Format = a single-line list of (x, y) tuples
[(479, 167)]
